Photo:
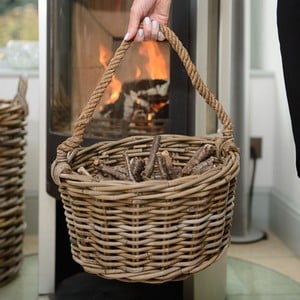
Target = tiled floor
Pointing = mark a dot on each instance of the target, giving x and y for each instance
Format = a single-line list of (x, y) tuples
[(272, 274), (265, 270), (248, 281), (270, 253)]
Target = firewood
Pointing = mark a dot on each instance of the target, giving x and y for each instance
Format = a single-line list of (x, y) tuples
[(167, 159), (172, 172), (200, 155), (137, 167), (150, 163), (99, 177), (175, 173), (161, 166), (116, 172), (204, 166), (96, 162), (84, 171), (128, 167)]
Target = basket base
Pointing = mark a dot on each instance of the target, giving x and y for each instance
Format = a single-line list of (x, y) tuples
[(84, 286)]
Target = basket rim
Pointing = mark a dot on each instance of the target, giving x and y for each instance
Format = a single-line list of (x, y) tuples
[(62, 170)]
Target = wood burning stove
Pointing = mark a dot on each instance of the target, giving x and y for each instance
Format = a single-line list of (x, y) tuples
[(141, 107), (150, 94)]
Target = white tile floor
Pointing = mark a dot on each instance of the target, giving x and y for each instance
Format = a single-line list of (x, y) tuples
[(246, 281)]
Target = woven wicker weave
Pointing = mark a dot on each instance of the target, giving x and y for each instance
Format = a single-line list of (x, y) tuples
[(12, 169), (156, 230)]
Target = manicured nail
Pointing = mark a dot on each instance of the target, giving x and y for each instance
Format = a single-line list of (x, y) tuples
[(147, 20), (126, 36), (160, 36), (140, 32), (154, 24)]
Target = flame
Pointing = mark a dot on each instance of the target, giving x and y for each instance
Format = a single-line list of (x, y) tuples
[(158, 106), (138, 73), (115, 86), (104, 56), (156, 65)]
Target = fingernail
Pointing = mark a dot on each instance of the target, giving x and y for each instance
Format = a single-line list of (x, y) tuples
[(147, 20), (126, 36), (160, 36), (141, 32), (154, 24)]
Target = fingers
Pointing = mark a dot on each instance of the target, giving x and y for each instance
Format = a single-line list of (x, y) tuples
[(147, 26), (133, 25), (140, 35), (154, 30), (160, 37), (148, 31), (151, 30)]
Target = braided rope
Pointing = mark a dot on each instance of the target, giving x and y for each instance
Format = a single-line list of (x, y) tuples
[(84, 118), (196, 80), (75, 140)]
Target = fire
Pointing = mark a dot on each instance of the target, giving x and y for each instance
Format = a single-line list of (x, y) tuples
[(104, 56), (156, 65), (138, 73), (115, 86), (151, 65)]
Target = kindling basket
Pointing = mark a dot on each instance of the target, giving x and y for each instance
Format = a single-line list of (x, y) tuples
[(155, 230), (12, 168)]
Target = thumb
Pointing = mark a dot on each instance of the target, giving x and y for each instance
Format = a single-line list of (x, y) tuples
[(133, 26)]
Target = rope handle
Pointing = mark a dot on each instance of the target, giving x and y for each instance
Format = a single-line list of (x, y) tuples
[(86, 115)]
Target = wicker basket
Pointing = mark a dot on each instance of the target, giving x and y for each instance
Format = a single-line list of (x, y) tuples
[(156, 230), (12, 162)]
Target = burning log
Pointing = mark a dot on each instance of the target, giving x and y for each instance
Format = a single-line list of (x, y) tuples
[(142, 107), (148, 96)]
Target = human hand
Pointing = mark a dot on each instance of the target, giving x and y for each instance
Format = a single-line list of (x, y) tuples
[(150, 13)]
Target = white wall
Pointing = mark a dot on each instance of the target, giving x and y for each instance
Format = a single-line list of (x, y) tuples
[(262, 90), (274, 122)]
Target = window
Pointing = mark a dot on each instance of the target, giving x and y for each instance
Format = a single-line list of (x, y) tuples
[(19, 34)]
